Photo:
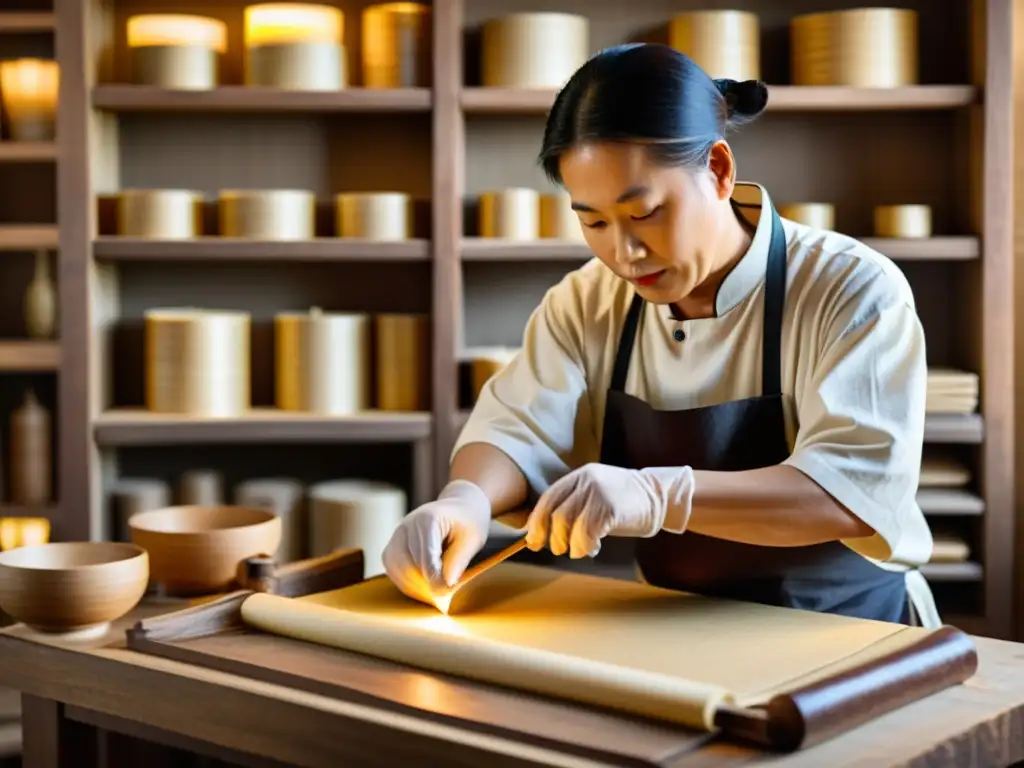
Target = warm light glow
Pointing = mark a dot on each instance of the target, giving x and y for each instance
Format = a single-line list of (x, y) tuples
[(176, 29), (286, 23), (23, 532), (29, 83)]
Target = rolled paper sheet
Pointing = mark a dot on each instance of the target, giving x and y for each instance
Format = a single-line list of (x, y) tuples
[(268, 214), (817, 215), (403, 362), (903, 221), (322, 362), (355, 513), (511, 214), (862, 47), (722, 43), (285, 497), (197, 362), (132, 495), (380, 216), (164, 214), (533, 50), (201, 488), (557, 218), (397, 46), (176, 51), (295, 46)]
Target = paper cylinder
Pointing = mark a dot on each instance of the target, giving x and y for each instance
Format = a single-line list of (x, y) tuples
[(557, 218), (295, 46), (722, 43), (903, 221), (534, 50), (28, 93), (818, 215), (170, 50), (378, 216), (397, 45), (166, 214), (511, 214), (403, 362), (268, 214)]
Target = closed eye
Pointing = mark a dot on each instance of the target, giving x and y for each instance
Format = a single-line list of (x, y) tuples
[(647, 215), (595, 225)]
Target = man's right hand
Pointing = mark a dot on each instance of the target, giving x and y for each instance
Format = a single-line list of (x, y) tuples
[(432, 547)]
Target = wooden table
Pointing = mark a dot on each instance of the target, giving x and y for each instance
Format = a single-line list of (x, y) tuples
[(98, 699)]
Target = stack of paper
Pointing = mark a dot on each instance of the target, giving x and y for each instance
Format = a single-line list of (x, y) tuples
[(951, 391)]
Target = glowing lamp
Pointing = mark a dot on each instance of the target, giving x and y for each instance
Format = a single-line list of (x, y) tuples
[(170, 50), (29, 88), (295, 46)]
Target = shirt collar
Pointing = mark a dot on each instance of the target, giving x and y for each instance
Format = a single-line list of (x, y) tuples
[(749, 200)]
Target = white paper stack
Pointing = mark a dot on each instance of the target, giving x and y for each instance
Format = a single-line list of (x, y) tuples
[(952, 391)]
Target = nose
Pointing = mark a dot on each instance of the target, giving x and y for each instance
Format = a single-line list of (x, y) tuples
[(627, 248)]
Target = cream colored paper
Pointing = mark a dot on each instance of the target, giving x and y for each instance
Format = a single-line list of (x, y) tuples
[(617, 644)]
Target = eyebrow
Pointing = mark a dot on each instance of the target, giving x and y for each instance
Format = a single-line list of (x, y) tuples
[(630, 194)]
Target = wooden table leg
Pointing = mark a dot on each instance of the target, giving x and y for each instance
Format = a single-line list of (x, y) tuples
[(50, 740)]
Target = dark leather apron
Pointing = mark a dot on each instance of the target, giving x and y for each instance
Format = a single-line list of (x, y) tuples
[(731, 437)]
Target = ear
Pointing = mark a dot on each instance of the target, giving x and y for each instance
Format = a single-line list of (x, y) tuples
[(722, 165)]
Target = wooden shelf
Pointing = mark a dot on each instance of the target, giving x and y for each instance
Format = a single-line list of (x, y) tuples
[(959, 248), (27, 152), (937, 502), (131, 426), (954, 428), (232, 249), (29, 356), (27, 238), (782, 98), (48, 511), (232, 98), (26, 21), (952, 571)]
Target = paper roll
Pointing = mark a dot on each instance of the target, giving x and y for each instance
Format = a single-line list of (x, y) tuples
[(268, 214), (377, 216), (197, 362), (511, 214), (285, 497), (397, 46), (322, 362), (817, 215), (165, 214), (403, 362), (201, 488), (485, 362), (295, 46), (722, 43), (557, 218), (355, 513), (903, 221), (132, 495), (862, 47), (533, 50)]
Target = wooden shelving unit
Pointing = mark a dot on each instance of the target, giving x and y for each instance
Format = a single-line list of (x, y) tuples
[(939, 143)]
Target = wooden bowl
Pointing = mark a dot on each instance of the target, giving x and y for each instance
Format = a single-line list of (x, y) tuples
[(195, 550), (71, 586)]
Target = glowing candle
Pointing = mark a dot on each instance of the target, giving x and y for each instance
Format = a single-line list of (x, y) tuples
[(29, 90), (295, 46), (176, 50)]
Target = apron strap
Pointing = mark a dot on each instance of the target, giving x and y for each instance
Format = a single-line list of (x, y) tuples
[(625, 351)]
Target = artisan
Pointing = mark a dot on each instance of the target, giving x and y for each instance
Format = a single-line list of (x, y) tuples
[(741, 396)]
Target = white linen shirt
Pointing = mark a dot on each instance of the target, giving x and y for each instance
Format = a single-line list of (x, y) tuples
[(853, 374)]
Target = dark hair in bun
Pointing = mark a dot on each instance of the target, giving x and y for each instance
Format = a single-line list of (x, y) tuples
[(649, 94)]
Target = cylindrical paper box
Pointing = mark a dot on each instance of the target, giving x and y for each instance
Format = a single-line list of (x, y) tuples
[(201, 487), (167, 214), (485, 362), (557, 218), (722, 43), (285, 497), (403, 362), (512, 214), (373, 215), (818, 215), (534, 50), (28, 93), (268, 214), (176, 50), (295, 46), (903, 221), (863, 47), (355, 513), (197, 362), (322, 362), (397, 46), (132, 495)]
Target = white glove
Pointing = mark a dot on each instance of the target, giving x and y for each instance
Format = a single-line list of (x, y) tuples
[(599, 500), (433, 545)]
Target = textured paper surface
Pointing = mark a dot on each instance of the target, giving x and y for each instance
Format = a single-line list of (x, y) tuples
[(619, 644)]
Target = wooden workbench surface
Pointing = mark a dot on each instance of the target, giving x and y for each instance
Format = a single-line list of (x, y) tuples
[(102, 684)]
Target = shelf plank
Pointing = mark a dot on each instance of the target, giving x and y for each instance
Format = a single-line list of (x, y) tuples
[(242, 250), (238, 98), (781, 98), (26, 21), (937, 502), (29, 356), (954, 428), (27, 237), (49, 511), (27, 151), (952, 571), (898, 249), (131, 426)]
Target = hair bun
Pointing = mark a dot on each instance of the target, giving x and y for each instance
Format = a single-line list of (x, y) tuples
[(745, 99)]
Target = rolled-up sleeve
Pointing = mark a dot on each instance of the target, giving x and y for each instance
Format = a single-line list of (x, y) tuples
[(532, 409), (861, 423)]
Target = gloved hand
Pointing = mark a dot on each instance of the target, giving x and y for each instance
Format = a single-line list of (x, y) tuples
[(433, 545), (599, 500)]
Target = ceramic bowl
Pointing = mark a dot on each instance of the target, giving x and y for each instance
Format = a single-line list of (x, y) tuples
[(70, 586), (195, 550)]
